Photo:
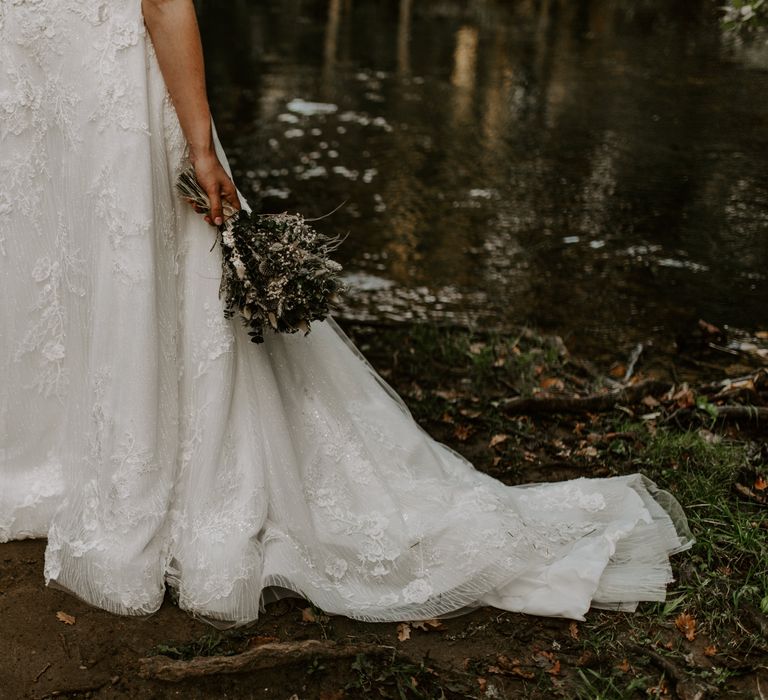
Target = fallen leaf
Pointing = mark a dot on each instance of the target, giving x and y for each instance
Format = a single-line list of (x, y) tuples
[(426, 624), (498, 439), (496, 461), (649, 401), (588, 451), (709, 328), (552, 383), (67, 619), (573, 630), (687, 626), (332, 695), (448, 395), (447, 418), (618, 370), (470, 412), (763, 335), (462, 432), (710, 650), (499, 362), (476, 348), (403, 632), (482, 683), (624, 666), (760, 483), (684, 397), (547, 661)]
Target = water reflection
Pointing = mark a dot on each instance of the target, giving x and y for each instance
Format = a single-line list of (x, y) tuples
[(594, 166)]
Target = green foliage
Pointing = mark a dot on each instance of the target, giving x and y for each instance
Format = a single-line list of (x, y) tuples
[(745, 15), (401, 680)]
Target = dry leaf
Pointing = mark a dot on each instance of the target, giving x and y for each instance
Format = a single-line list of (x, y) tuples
[(687, 626), (308, 615), (496, 461), (403, 632), (426, 624), (482, 683), (470, 412), (624, 666), (547, 661), (65, 618), (649, 401), (760, 483), (476, 348), (684, 397), (332, 695), (709, 328), (448, 395), (588, 451), (512, 667), (447, 417), (552, 383), (573, 630), (462, 432), (498, 439), (763, 335), (618, 370), (710, 650)]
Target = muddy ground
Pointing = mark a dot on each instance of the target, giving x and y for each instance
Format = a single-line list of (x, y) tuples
[(708, 640)]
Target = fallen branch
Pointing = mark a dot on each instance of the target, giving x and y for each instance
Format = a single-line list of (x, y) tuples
[(263, 656), (755, 413), (685, 688), (584, 404)]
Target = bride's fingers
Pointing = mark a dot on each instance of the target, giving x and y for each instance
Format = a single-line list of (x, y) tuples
[(229, 193), (214, 197)]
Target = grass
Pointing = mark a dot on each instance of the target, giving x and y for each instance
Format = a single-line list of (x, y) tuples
[(454, 379)]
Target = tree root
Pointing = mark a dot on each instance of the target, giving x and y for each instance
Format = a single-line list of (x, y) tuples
[(259, 657), (585, 404)]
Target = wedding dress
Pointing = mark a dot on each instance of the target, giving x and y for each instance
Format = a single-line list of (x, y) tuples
[(153, 444)]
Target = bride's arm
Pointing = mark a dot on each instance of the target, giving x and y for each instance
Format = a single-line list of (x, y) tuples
[(173, 27)]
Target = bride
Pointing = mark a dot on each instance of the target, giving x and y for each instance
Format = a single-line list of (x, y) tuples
[(154, 445)]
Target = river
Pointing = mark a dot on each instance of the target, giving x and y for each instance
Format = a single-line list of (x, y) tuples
[(595, 169)]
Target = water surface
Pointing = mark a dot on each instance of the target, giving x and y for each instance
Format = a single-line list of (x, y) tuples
[(597, 169)]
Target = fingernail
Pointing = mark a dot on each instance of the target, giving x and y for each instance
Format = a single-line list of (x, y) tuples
[(219, 221)]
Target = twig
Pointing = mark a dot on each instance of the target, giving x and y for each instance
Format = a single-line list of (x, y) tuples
[(686, 688), (263, 656), (42, 671), (633, 358)]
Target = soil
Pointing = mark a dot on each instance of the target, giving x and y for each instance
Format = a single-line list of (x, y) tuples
[(54, 645)]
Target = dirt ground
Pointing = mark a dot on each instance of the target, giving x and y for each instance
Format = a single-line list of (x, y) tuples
[(708, 640)]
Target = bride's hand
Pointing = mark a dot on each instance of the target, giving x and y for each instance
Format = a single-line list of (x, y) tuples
[(217, 185)]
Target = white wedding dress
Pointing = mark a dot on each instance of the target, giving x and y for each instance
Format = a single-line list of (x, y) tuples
[(153, 444)]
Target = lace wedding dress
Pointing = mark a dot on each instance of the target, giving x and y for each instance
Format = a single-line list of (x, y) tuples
[(153, 444)]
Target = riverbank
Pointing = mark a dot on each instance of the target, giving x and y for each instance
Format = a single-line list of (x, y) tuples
[(522, 409)]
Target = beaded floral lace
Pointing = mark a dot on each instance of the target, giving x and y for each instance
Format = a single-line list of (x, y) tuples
[(154, 445)]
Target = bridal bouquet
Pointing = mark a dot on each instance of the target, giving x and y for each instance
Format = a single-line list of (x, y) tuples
[(276, 269)]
